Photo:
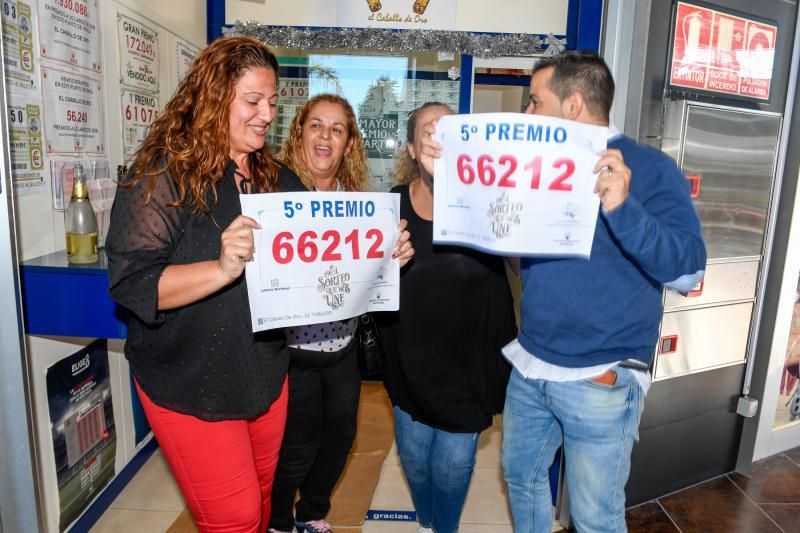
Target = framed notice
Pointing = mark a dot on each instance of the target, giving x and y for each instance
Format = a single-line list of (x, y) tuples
[(82, 426), (138, 54), (18, 57), (184, 57), (69, 32), (73, 113), (25, 140), (722, 52), (139, 110)]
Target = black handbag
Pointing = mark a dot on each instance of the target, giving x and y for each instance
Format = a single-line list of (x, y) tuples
[(371, 359)]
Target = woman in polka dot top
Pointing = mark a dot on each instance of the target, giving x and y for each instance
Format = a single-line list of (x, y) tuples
[(326, 150)]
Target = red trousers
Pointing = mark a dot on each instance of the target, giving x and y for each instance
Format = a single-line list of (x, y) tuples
[(224, 469)]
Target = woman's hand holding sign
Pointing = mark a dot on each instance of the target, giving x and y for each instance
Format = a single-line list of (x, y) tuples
[(237, 246)]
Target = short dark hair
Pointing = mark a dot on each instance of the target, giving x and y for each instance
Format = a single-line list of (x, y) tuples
[(584, 72)]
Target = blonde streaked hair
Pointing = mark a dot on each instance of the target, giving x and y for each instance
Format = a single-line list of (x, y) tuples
[(406, 169), (353, 174)]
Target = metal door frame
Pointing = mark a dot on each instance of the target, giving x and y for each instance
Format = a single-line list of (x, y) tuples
[(19, 479)]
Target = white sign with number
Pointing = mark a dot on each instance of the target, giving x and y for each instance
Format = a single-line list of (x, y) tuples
[(139, 111), (517, 184), (321, 256), (138, 53), (73, 113), (69, 32)]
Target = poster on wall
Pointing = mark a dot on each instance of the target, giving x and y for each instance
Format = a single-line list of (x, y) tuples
[(25, 140), (73, 113), (138, 54), (139, 110), (292, 94), (18, 47), (184, 56), (69, 32), (82, 427), (397, 14), (722, 53)]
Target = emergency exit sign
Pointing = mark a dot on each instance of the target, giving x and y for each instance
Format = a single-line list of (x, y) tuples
[(722, 53)]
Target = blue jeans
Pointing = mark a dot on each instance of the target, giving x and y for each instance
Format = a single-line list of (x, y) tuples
[(438, 467), (598, 425)]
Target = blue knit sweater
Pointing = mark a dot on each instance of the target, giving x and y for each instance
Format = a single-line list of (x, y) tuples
[(578, 313)]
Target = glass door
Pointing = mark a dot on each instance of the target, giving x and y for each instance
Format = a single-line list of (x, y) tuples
[(382, 89)]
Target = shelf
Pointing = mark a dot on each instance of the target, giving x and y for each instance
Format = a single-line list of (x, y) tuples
[(69, 300)]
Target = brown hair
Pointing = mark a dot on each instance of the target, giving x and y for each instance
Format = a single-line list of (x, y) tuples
[(584, 72), (191, 138), (406, 169), (353, 174)]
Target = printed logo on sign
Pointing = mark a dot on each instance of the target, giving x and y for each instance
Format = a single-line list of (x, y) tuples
[(503, 214), (570, 210), (333, 286)]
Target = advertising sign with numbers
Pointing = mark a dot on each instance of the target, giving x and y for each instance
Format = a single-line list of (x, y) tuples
[(25, 139), (139, 110), (184, 57), (18, 46), (73, 113), (321, 256), (516, 184), (138, 53), (69, 32)]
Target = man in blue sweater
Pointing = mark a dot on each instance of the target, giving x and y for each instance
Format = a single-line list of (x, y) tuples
[(589, 328)]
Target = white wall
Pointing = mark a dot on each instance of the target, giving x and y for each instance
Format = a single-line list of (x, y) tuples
[(506, 16)]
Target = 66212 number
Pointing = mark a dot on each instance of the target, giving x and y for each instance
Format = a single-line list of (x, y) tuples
[(487, 171), (309, 244)]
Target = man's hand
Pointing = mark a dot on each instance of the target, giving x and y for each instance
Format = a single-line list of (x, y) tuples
[(431, 150), (614, 179)]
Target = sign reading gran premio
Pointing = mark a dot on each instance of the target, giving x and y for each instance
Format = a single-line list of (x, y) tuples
[(138, 52)]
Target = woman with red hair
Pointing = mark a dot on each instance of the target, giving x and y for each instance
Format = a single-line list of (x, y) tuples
[(214, 392)]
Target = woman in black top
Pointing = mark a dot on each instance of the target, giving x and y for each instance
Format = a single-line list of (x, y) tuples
[(446, 375), (213, 392)]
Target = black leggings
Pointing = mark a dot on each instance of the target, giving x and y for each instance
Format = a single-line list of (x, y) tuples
[(320, 428)]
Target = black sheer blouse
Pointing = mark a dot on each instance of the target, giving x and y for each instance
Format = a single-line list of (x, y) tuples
[(201, 359), (444, 364)]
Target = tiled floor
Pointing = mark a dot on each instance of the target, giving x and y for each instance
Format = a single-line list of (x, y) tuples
[(766, 501), (149, 503)]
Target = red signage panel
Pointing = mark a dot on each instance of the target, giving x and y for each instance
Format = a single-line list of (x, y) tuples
[(723, 53)]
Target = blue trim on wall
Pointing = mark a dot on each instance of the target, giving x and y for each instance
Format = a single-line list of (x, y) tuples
[(502, 79), (465, 85), (584, 22), (215, 19), (99, 506)]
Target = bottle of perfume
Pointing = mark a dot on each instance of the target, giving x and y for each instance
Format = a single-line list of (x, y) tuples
[(80, 222)]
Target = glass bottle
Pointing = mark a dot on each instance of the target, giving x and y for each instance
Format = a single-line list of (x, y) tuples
[(80, 222)]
